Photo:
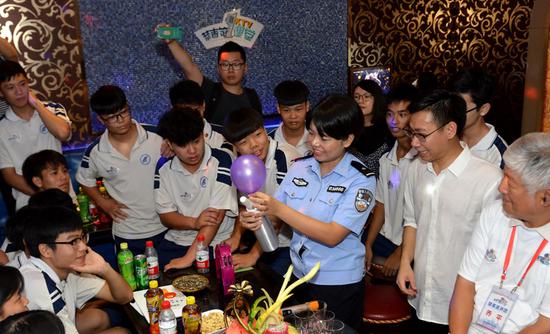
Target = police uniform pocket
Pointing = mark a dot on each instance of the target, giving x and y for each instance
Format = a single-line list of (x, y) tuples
[(296, 193)]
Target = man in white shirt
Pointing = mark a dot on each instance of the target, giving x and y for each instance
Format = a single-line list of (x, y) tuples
[(29, 126), (62, 272), (124, 156), (476, 88), (516, 228), (445, 191), (193, 190), (293, 106)]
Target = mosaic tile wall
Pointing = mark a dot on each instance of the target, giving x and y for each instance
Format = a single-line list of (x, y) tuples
[(300, 40)]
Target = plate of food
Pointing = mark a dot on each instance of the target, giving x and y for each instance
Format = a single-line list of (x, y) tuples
[(212, 322), (190, 283)]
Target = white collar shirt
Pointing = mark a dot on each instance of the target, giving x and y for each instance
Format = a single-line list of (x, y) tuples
[(212, 137), (20, 138), (75, 291), (444, 209), (390, 191), (484, 260), (189, 194), (302, 147), (128, 181), (491, 147)]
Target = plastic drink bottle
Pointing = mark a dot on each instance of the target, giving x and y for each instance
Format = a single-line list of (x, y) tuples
[(167, 319), (191, 317), (125, 260), (202, 256), (154, 299), (152, 260)]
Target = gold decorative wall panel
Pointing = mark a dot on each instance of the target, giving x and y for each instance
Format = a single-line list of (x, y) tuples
[(443, 36), (47, 38)]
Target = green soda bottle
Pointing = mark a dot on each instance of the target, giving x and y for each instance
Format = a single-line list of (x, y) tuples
[(125, 260), (83, 206)]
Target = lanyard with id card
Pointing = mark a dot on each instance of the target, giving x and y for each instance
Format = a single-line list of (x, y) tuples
[(499, 304)]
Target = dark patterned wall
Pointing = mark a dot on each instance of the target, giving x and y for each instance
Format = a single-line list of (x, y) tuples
[(46, 36), (414, 36)]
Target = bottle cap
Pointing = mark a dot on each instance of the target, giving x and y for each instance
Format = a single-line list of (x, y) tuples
[(153, 284), (190, 300), (123, 245), (165, 305), (102, 189), (200, 237), (149, 243)]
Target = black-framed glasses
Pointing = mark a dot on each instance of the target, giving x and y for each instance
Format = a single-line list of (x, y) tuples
[(227, 66), (84, 238), (471, 109), (119, 116), (421, 137)]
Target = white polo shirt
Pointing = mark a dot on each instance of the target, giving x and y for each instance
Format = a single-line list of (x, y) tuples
[(20, 138), (390, 190), (213, 137), (484, 260), (277, 162), (129, 182), (189, 194), (302, 147), (444, 210), (62, 297), (491, 147)]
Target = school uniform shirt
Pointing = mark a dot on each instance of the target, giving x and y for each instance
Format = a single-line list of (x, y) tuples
[(491, 147), (20, 138), (213, 137), (17, 259), (302, 147), (484, 260), (277, 161), (189, 194), (128, 181), (344, 196), (46, 291), (390, 190), (444, 209)]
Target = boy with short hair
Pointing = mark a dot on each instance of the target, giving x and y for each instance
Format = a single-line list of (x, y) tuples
[(193, 190), (29, 126), (61, 275), (47, 169), (124, 156), (293, 106), (386, 227), (245, 130)]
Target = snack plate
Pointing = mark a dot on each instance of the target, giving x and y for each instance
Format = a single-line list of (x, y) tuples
[(207, 313), (190, 283)]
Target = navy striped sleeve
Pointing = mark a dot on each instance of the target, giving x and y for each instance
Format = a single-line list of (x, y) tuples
[(282, 168), (224, 166), (85, 163), (161, 162), (501, 147)]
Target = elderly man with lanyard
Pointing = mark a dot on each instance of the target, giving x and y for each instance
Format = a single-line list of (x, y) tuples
[(503, 284)]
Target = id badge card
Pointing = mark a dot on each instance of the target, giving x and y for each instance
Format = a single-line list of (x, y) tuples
[(496, 309)]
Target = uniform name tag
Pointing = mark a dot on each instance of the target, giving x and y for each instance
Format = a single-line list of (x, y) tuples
[(298, 181), (336, 189), (496, 309)]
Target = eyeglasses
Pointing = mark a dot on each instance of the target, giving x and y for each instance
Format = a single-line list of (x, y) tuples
[(84, 238), (227, 66), (119, 116), (421, 137), (365, 97), (471, 109)]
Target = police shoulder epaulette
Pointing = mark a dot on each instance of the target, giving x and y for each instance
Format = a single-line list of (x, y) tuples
[(302, 158), (362, 169)]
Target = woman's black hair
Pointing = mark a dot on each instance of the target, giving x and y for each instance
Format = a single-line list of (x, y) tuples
[(32, 322), (11, 283), (337, 116)]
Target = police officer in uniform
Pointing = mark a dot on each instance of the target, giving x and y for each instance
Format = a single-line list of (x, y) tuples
[(326, 199)]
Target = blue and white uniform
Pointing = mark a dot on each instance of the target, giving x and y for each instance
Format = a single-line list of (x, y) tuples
[(344, 196)]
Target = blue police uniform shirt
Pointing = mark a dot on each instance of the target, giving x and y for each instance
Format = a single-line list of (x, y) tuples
[(344, 196)]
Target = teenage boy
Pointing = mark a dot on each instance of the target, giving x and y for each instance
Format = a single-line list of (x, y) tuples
[(63, 273), (193, 190), (124, 156), (386, 227), (445, 191), (228, 94), (188, 94), (293, 106), (245, 130), (476, 88), (47, 169), (29, 126)]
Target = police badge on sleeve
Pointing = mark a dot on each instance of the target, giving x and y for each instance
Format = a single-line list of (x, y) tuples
[(363, 199)]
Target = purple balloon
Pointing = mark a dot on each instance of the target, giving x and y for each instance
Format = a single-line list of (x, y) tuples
[(248, 173)]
